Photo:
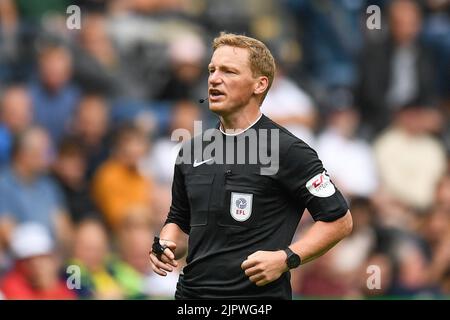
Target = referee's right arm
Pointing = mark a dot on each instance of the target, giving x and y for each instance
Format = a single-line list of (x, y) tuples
[(175, 232)]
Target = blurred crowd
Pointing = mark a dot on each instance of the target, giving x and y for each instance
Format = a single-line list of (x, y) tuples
[(86, 155)]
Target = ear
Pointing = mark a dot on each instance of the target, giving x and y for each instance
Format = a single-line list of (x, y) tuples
[(261, 85)]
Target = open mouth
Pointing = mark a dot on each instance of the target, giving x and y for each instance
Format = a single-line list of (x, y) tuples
[(215, 94)]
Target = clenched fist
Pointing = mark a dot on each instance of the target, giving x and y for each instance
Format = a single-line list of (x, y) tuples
[(263, 267)]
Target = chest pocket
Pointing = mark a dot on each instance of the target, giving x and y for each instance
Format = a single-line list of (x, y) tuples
[(243, 201), (199, 188)]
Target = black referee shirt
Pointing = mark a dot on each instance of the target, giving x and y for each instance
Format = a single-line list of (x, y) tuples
[(232, 210)]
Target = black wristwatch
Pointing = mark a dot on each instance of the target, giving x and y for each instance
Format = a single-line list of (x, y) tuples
[(293, 260)]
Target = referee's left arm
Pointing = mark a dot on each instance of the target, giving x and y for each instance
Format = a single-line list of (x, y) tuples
[(301, 173), (263, 267), (321, 237)]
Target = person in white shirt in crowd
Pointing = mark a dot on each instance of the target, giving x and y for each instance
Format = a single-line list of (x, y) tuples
[(411, 161), (291, 107), (348, 158), (161, 159)]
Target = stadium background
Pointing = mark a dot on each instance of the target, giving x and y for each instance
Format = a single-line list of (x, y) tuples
[(86, 117)]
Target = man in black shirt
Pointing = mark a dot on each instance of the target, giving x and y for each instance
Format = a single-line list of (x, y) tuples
[(238, 197)]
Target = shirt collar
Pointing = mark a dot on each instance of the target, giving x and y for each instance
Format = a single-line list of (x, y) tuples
[(235, 134)]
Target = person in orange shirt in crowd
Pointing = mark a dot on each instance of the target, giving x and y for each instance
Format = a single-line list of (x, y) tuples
[(35, 275), (119, 189)]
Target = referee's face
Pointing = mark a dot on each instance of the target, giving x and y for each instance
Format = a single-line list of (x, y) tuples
[(231, 84)]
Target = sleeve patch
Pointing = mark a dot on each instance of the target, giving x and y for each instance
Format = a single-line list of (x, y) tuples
[(320, 185)]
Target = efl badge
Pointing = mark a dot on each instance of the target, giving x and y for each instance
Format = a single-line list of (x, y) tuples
[(241, 206), (321, 185)]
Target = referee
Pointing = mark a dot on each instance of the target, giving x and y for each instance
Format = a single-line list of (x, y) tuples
[(235, 220)]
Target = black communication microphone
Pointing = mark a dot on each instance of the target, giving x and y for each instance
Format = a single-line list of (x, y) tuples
[(202, 100)]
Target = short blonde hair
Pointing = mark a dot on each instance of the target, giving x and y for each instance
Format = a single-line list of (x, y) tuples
[(261, 60)]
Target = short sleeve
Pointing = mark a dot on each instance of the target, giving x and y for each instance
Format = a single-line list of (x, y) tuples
[(179, 212), (304, 177)]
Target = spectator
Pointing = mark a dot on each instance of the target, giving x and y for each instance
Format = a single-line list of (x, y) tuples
[(342, 152), (16, 43), (9, 37), (412, 278), (54, 96), (92, 5), (27, 194), (186, 53), (69, 171), (408, 156), (35, 274), (384, 264), (397, 70), (15, 117), (142, 42), (91, 128), (131, 267), (320, 279), (118, 187), (90, 254), (436, 35), (436, 231), (97, 64), (442, 197), (290, 106), (36, 11), (160, 161), (161, 158), (350, 256), (331, 37)]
